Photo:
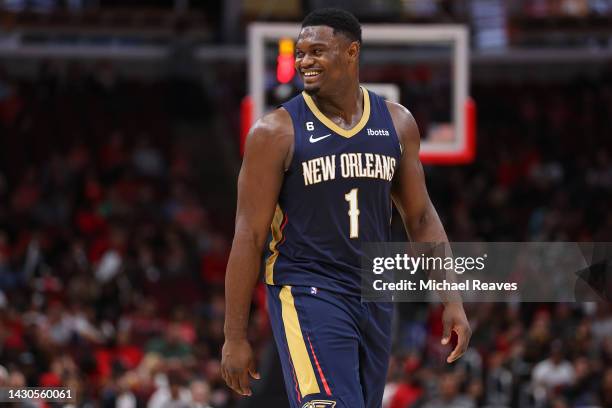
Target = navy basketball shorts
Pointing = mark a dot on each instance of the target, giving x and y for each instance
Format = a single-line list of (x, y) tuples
[(334, 350)]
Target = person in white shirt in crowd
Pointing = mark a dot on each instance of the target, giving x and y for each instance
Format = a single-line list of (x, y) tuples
[(553, 373)]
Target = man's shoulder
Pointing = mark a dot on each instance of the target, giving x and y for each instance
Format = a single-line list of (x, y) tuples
[(399, 111), (272, 137), (405, 124), (274, 126)]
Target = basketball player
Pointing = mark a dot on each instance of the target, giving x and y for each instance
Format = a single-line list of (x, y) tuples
[(322, 171)]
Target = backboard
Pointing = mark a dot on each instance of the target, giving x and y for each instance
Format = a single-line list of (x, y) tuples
[(396, 61)]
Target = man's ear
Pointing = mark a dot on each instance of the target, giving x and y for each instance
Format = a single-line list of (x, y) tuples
[(353, 50)]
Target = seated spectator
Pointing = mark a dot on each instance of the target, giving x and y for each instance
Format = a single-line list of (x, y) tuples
[(171, 345), (200, 394), (450, 396), (553, 373), (171, 394), (409, 390)]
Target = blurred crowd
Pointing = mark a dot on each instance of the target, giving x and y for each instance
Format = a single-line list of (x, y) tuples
[(528, 355), (543, 173), (112, 258), (111, 267)]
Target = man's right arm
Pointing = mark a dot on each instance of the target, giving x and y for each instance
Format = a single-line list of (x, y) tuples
[(267, 152)]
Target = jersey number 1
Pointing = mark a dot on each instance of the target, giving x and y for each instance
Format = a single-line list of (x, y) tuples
[(353, 212)]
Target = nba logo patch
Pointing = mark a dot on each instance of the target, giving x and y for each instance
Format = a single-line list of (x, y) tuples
[(313, 290)]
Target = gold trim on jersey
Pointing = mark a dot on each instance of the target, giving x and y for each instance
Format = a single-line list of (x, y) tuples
[(277, 235), (304, 371), (331, 125)]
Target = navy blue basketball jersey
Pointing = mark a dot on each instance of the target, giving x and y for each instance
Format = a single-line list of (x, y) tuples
[(336, 194)]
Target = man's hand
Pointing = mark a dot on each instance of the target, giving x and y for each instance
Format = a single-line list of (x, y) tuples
[(237, 363), (454, 320)]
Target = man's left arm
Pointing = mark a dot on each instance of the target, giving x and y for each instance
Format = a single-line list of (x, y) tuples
[(420, 217)]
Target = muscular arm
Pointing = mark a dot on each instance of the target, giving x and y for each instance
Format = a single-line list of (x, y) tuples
[(409, 191), (420, 218), (267, 151)]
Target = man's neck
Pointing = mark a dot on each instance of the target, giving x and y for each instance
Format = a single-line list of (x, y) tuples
[(344, 107)]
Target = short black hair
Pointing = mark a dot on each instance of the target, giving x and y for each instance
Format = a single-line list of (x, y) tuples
[(340, 20)]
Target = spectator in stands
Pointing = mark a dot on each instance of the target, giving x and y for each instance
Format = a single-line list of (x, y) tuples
[(171, 345), (171, 393), (554, 373), (499, 381), (450, 395), (409, 389), (200, 394), (583, 392)]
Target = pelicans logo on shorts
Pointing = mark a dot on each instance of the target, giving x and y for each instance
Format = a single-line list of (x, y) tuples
[(320, 404)]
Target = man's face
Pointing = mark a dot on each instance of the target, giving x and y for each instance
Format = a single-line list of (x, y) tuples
[(322, 57)]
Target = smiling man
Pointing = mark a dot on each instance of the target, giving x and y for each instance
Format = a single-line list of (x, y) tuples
[(321, 172)]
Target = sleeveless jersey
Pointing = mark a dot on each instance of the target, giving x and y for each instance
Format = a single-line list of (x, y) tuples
[(336, 194)]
